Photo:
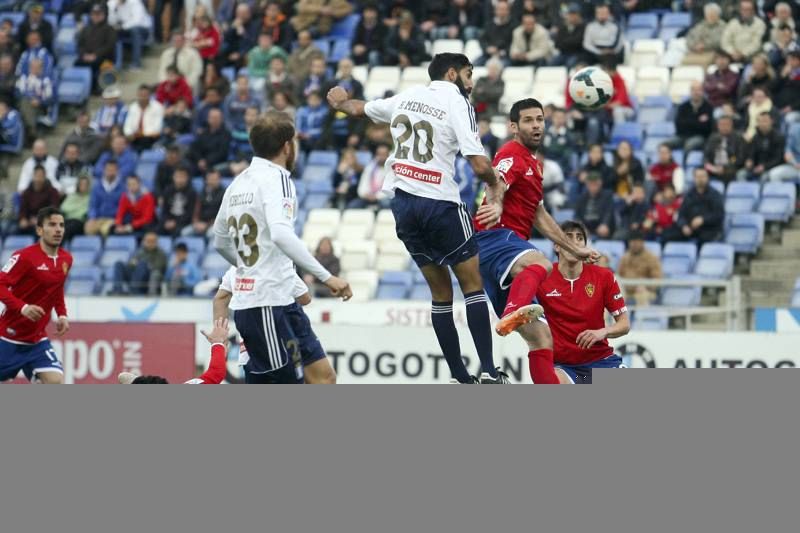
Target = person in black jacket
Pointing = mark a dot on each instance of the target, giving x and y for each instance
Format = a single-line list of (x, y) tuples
[(35, 21), (568, 37), (496, 38), (463, 21), (633, 213), (693, 120), (211, 147), (240, 37), (726, 151), (177, 204), (369, 36), (96, 43), (405, 44), (165, 169), (786, 90), (597, 165), (701, 215), (595, 208), (206, 207), (765, 150)]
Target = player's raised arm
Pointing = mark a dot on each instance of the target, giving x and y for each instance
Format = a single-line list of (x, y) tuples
[(548, 227), (223, 241), (340, 101)]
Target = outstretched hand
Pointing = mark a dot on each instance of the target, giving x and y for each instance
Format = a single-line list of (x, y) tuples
[(218, 335)]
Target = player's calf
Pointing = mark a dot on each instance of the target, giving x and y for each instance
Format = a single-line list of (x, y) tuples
[(320, 373)]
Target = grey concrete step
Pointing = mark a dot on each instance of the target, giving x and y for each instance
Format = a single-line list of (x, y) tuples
[(775, 269)]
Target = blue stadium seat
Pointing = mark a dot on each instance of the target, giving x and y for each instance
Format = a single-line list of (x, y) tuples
[(325, 158), (741, 197), (745, 232), (339, 50), (323, 44), (363, 157), (302, 216), (345, 28), (110, 258), (652, 115), (681, 296), (627, 131), (165, 243), (16, 18), (67, 20), (718, 185), (694, 158), (86, 242), (214, 261), (661, 129), (15, 242), (196, 245), (91, 273), (650, 320), (667, 34), (643, 20), (795, 301), (778, 201), (146, 170), (680, 20), (83, 258), (678, 258), (562, 215), (80, 287), (184, 139), (654, 247), (716, 261), (637, 34), (394, 285), (15, 136), (75, 85), (125, 243), (318, 173), (655, 100), (545, 246), (614, 250), (211, 273), (152, 156), (420, 291), (316, 201)]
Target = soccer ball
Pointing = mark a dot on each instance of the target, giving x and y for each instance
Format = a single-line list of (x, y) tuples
[(591, 88)]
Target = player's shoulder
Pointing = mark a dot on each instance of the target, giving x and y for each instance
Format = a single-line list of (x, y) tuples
[(508, 156), (28, 251), (64, 254), (601, 272)]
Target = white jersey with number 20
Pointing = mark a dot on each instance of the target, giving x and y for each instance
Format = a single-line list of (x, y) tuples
[(430, 125)]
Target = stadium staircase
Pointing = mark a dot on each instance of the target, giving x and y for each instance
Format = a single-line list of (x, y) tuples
[(773, 271)]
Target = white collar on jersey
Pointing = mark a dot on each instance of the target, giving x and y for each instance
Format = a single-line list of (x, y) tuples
[(261, 162), (444, 85)]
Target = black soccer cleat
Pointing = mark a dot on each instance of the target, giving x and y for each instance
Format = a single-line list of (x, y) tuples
[(472, 380), (501, 379)]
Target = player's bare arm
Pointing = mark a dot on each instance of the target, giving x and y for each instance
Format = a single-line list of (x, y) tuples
[(489, 214), (220, 304), (621, 326), (548, 227), (339, 100)]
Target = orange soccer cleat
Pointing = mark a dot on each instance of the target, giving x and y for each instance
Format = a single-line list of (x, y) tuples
[(512, 321)]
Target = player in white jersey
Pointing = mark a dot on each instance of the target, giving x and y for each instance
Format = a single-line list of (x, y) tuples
[(430, 125), (316, 367), (254, 231)]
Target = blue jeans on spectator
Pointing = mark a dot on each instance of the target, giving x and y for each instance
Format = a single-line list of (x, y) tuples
[(137, 37)]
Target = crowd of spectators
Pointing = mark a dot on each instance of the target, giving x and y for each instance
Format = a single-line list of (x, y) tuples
[(745, 116)]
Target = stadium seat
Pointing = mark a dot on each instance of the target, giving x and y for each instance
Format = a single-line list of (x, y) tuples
[(652, 115), (654, 247), (80, 287), (323, 158), (165, 243), (91, 243), (384, 227), (745, 232), (361, 73), (681, 82), (392, 255), (627, 131), (196, 245), (741, 197), (363, 283), (420, 291), (650, 320), (319, 173), (694, 158), (518, 74), (413, 76), (562, 215), (667, 34), (651, 81), (716, 261), (514, 90), (629, 77), (614, 250), (473, 51), (84, 273), (678, 20), (15, 17), (681, 296), (214, 261), (111, 257), (15, 242), (316, 200), (345, 28), (545, 246), (453, 46), (339, 50), (643, 20), (394, 285), (678, 259), (356, 224), (381, 79), (557, 75), (646, 52), (661, 129), (75, 85), (330, 217), (358, 255), (126, 243), (84, 258), (499, 127), (639, 34), (778, 201)]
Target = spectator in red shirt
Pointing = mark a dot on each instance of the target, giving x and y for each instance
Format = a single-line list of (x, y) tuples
[(172, 89), (663, 214), (666, 170), (207, 41), (137, 209)]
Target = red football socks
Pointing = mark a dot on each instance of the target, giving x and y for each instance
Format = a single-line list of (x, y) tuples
[(541, 366), (524, 287)]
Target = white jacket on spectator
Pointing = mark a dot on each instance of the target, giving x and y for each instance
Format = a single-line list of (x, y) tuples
[(127, 14), (371, 181), (538, 45), (26, 174), (743, 38), (152, 123), (189, 63)]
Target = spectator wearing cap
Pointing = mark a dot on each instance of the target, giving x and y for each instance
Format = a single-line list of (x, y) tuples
[(603, 36), (182, 274), (720, 85), (145, 119), (104, 200), (183, 58), (177, 204), (173, 89), (369, 36), (530, 43), (35, 95), (96, 42), (318, 16), (120, 152), (405, 44), (744, 34), (35, 50), (309, 121), (702, 213), (259, 58), (240, 37), (137, 209), (39, 157), (497, 34), (595, 208), (705, 37), (568, 37), (211, 146), (299, 63), (112, 112), (766, 149), (38, 195), (693, 119), (725, 152), (35, 21), (639, 263), (131, 20), (70, 168)]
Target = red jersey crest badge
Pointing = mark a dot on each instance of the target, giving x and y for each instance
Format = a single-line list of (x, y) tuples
[(589, 290)]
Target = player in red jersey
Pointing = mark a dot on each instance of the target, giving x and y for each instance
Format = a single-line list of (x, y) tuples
[(31, 286), (217, 368), (511, 267), (575, 297)]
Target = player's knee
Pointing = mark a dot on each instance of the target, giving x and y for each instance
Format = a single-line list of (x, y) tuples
[(537, 336), (320, 373), (50, 378)]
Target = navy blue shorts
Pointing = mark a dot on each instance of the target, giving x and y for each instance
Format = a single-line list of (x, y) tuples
[(311, 349), (500, 249), (30, 358), (434, 231), (271, 343), (583, 374)]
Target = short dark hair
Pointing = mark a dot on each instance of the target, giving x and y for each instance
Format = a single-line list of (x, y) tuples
[(146, 87), (572, 225), (521, 105), (133, 176), (112, 161), (270, 134), (38, 168), (45, 213), (443, 62), (181, 247), (150, 380)]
